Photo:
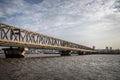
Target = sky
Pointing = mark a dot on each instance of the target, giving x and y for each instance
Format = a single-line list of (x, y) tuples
[(86, 22)]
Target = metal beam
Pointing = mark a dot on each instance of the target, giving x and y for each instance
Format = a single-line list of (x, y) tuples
[(12, 36)]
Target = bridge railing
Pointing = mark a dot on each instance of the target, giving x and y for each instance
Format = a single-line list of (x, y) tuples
[(11, 33)]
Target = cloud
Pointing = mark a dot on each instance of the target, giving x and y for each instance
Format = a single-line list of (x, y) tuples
[(89, 22)]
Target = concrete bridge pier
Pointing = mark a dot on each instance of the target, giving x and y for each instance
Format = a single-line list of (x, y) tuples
[(65, 53), (15, 52), (81, 53)]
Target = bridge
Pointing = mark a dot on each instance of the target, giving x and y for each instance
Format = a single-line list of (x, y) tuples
[(20, 40)]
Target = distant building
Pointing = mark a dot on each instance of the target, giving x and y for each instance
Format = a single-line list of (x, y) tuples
[(108, 51), (93, 47), (106, 48), (110, 48)]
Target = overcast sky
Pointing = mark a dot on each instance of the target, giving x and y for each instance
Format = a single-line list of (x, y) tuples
[(86, 22)]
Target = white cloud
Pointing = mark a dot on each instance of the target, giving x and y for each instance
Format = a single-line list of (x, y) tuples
[(87, 22)]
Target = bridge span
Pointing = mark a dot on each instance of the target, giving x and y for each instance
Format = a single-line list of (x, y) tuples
[(20, 40)]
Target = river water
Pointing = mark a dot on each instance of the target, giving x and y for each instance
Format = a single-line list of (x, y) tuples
[(83, 67)]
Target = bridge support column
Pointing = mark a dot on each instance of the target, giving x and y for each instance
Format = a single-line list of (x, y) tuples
[(81, 53), (65, 53), (15, 52)]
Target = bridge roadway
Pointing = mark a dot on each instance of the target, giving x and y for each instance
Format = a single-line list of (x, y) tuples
[(22, 39)]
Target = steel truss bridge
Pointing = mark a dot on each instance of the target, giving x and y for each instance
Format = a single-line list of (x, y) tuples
[(11, 36)]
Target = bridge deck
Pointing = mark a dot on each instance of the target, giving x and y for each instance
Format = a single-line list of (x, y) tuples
[(12, 36)]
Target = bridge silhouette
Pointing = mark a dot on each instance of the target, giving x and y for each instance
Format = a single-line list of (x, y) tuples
[(20, 40)]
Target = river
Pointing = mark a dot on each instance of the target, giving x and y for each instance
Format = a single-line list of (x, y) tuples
[(83, 67)]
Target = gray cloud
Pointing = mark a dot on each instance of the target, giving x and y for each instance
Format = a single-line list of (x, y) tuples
[(117, 5), (89, 22)]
